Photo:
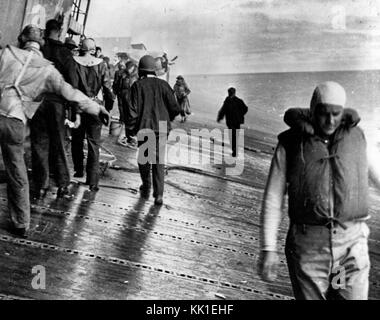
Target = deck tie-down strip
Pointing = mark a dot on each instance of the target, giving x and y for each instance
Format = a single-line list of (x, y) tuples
[(141, 266)]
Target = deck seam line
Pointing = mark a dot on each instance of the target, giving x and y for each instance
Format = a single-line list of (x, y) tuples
[(141, 266)]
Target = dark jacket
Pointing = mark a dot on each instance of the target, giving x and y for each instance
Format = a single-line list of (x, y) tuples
[(122, 82), (56, 52), (152, 101), (90, 79), (234, 110), (320, 171)]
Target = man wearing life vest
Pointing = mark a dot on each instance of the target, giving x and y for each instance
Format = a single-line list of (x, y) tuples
[(89, 75), (321, 162)]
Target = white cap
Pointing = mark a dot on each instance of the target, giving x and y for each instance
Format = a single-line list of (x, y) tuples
[(328, 93)]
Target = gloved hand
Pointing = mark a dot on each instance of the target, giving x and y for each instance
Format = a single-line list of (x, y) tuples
[(267, 265), (104, 116)]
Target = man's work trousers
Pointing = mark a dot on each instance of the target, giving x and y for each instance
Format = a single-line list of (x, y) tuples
[(234, 137), (328, 263), (91, 128), (47, 133), (156, 153), (12, 136)]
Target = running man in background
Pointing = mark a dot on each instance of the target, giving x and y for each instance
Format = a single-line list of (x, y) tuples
[(234, 110), (321, 162)]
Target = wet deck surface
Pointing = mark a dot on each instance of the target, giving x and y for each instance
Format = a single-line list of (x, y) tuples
[(203, 243)]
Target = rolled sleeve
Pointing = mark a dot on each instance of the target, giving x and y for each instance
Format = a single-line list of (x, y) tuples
[(275, 190)]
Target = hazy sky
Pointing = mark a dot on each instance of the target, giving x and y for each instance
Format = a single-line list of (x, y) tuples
[(228, 36)]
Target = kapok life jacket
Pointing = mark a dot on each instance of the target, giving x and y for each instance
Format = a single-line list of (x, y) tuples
[(319, 170)]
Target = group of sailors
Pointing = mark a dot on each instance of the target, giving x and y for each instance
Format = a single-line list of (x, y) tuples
[(49, 85)]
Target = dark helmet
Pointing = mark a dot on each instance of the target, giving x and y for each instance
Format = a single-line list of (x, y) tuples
[(147, 64), (30, 33)]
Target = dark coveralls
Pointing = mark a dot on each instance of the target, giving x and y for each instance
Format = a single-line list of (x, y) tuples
[(234, 110), (153, 101), (48, 126), (89, 80)]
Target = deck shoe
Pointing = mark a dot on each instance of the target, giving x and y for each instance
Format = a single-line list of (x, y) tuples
[(20, 232), (158, 201), (145, 191)]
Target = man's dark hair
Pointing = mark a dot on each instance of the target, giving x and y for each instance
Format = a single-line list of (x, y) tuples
[(52, 25), (231, 91)]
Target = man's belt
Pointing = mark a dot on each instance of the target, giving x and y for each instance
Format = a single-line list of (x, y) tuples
[(331, 222)]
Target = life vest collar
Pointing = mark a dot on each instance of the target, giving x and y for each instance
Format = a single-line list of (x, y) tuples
[(88, 61)]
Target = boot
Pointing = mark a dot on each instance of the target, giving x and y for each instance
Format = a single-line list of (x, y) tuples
[(158, 201)]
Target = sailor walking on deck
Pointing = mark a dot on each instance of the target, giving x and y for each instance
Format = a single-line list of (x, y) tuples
[(89, 75), (24, 76), (234, 110), (48, 124), (152, 103), (322, 164)]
